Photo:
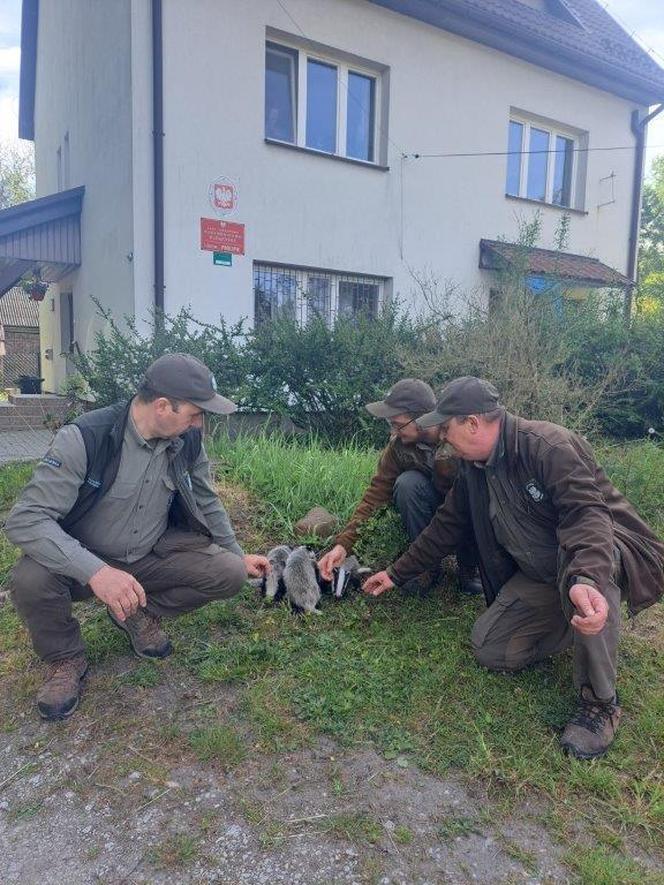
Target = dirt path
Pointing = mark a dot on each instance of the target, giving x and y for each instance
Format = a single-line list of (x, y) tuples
[(122, 801)]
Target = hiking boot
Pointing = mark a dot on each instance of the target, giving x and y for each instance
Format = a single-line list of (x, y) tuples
[(60, 692), (469, 582), (145, 634), (591, 731)]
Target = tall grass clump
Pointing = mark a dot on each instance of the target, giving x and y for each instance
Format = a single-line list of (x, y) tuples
[(293, 475)]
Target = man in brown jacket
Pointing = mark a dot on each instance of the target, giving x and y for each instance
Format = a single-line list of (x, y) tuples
[(414, 473), (558, 545)]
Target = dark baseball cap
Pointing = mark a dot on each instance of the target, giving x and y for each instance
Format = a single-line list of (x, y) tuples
[(408, 395), (463, 396), (182, 376)]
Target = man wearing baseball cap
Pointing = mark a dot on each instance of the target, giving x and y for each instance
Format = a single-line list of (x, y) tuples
[(122, 508), (558, 545), (414, 473)]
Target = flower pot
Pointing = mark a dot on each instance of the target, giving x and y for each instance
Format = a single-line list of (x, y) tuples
[(29, 384)]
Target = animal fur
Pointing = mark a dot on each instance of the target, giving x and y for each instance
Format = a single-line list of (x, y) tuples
[(302, 589), (273, 584)]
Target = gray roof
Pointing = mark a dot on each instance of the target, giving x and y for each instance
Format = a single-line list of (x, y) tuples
[(16, 309), (578, 38)]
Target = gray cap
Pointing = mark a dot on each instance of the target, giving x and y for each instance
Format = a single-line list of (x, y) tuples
[(463, 396), (182, 376), (410, 395)]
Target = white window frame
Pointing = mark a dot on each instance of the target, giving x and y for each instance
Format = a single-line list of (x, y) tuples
[(554, 131), (303, 313), (344, 69)]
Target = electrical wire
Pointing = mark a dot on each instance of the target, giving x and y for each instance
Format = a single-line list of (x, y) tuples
[(629, 147)]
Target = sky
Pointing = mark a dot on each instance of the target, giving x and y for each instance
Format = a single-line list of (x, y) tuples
[(644, 19)]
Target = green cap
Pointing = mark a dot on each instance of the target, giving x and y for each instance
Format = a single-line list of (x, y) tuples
[(410, 395), (182, 376), (463, 396)]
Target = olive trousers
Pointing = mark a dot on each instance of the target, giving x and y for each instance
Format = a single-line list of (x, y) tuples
[(183, 571), (529, 621)]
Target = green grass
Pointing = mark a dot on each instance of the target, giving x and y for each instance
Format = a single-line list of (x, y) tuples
[(218, 743), (355, 826), (175, 851), (398, 673), (293, 475)]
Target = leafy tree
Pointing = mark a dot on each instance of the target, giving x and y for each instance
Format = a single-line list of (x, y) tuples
[(17, 174), (651, 250)]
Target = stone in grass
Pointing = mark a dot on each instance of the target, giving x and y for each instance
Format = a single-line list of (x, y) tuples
[(318, 521)]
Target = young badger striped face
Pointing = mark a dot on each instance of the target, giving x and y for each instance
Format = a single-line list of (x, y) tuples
[(302, 589)]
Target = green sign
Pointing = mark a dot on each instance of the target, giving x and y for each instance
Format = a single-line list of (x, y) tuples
[(223, 258)]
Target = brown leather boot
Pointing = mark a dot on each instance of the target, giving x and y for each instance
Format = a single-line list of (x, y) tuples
[(591, 731), (60, 692), (145, 634)]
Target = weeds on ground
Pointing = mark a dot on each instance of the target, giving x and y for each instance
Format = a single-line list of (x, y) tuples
[(218, 743)]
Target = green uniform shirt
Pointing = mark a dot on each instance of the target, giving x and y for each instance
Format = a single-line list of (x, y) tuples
[(126, 523)]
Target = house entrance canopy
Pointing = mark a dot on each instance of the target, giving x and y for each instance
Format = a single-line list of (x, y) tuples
[(42, 237)]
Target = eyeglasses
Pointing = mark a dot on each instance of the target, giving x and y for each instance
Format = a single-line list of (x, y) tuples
[(395, 426)]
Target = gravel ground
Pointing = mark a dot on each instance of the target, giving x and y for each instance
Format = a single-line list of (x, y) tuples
[(80, 802)]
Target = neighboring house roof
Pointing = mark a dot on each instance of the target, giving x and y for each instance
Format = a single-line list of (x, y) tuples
[(16, 309), (579, 269), (577, 38), (41, 236)]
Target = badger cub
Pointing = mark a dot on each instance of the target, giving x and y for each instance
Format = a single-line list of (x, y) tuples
[(302, 588), (273, 584)]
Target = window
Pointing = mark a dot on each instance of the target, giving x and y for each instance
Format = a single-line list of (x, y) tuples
[(66, 170), (303, 294), (66, 323), (542, 163), (321, 103), (280, 93)]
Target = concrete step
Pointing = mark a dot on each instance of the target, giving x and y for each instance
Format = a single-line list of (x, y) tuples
[(18, 423)]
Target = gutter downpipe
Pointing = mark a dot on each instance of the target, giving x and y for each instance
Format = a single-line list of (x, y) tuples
[(639, 131), (158, 157)]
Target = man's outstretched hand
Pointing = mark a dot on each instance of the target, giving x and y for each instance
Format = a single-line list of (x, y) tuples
[(377, 584), (591, 607), (257, 565), (333, 559), (119, 590)]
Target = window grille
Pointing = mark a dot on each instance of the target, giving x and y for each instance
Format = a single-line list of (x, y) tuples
[(302, 294)]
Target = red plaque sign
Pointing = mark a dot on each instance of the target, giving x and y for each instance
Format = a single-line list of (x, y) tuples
[(222, 236)]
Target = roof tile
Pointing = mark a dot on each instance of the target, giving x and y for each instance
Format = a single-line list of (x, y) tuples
[(16, 309), (496, 255)]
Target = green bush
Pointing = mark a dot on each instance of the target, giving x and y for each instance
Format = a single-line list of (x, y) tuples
[(115, 367), (321, 378)]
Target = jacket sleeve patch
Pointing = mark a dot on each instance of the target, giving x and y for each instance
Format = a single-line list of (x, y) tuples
[(51, 461)]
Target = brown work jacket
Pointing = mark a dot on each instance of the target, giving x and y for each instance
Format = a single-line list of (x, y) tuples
[(438, 464), (543, 505)]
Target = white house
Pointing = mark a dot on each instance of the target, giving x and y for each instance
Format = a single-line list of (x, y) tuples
[(314, 154)]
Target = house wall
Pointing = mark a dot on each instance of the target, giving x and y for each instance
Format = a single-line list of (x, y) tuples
[(83, 89), (425, 216), (419, 217)]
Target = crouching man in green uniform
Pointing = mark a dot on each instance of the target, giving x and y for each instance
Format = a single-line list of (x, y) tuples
[(558, 545), (122, 507)]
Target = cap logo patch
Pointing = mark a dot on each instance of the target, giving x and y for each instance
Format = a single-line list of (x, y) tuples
[(213, 382), (534, 491)]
